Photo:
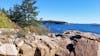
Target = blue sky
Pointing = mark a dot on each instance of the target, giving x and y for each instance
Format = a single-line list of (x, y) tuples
[(73, 11)]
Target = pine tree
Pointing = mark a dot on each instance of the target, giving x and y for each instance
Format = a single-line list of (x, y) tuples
[(24, 14)]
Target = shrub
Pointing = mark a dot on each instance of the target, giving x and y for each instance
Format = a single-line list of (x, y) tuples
[(5, 22), (22, 33), (37, 29)]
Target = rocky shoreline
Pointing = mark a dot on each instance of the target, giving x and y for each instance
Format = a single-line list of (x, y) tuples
[(70, 43)]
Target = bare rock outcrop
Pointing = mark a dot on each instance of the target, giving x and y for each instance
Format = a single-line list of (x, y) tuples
[(8, 49), (70, 43)]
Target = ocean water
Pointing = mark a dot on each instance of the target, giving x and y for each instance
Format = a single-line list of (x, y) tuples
[(60, 28)]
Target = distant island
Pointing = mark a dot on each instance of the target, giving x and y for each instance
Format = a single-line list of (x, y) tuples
[(54, 22)]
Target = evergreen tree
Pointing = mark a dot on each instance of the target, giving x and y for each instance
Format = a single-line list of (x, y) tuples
[(24, 14)]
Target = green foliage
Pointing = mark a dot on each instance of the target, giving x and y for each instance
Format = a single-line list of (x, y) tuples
[(25, 14), (4, 21)]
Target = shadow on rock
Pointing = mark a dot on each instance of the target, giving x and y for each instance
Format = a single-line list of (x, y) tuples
[(71, 49), (75, 38)]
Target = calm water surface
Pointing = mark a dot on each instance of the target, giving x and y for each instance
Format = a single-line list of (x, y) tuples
[(60, 28)]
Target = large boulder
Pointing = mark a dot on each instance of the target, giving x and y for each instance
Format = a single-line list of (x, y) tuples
[(83, 44), (85, 47), (8, 49)]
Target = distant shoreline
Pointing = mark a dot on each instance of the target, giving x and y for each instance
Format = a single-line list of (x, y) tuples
[(55, 22)]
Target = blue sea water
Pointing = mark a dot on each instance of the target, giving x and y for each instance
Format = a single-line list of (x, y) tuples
[(60, 28)]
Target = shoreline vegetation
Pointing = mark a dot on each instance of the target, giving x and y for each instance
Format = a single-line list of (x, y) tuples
[(22, 16)]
